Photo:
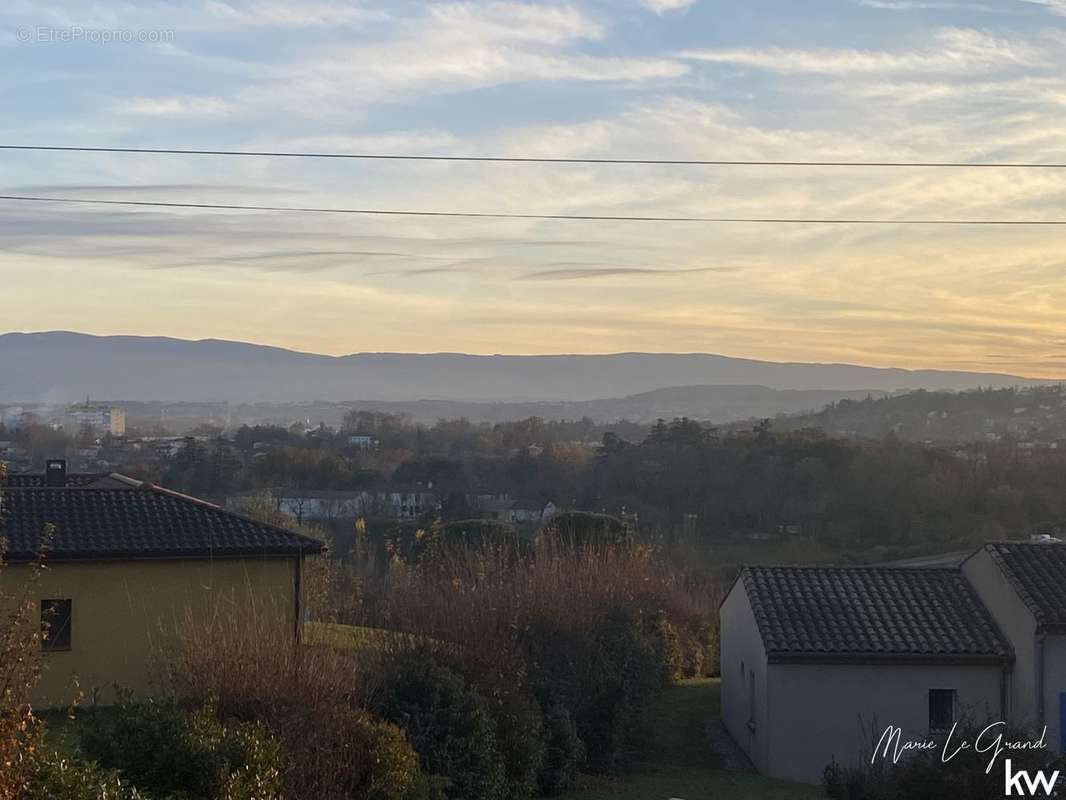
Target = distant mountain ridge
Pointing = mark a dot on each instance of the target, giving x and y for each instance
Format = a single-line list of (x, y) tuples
[(59, 367)]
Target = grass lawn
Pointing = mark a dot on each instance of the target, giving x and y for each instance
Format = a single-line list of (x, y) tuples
[(679, 763), (344, 637)]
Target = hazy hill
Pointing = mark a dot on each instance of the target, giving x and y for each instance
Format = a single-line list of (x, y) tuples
[(60, 367), (712, 403)]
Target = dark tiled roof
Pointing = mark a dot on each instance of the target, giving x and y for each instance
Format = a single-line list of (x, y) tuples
[(116, 517), (871, 613), (1038, 574)]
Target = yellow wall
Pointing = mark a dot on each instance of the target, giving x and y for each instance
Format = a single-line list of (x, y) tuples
[(125, 614)]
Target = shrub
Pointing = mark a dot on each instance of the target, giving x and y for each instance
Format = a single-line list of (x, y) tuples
[(449, 726), (925, 776), (606, 679), (56, 776), (591, 632), (668, 648), (313, 700), (516, 713), (20, 637), (580, 529), (165, 749), (699, 649), (519, 735), (436, 545), (564, 752), (625, 675)]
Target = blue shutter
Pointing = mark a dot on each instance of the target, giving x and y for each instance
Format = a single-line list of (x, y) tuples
[(1062, 722)]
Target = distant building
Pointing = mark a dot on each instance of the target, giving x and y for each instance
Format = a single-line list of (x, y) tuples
[(410, 503), (14, 417), (311, 505), (503, 506), (362, 441), (531, 512), (102, 419)]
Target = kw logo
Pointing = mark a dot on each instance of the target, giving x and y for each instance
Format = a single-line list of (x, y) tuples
[(1026, 784)]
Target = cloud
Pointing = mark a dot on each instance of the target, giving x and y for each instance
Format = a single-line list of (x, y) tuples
[(450, 48), (184, 192), (930, 5), (175, 106), (290, 15), (956, 50), (663, 6), (514, 21), (584, 273), (213, 16), (1054, 6)]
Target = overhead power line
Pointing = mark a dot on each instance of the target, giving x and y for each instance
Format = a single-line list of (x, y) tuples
[(504, 215), (546, 160)]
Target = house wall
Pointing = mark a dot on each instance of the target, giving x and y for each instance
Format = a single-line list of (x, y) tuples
[(742, 644), (1017, 623), (821, 712), (126, 614), (1055, 690)]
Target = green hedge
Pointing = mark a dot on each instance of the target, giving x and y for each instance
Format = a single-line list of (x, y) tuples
[(165, 749), (606, 679), (449, 724)]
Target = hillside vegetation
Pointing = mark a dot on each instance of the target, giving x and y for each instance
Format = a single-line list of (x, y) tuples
[(1036, 414)]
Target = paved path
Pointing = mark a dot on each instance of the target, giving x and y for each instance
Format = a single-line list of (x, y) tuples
[(730, 757)]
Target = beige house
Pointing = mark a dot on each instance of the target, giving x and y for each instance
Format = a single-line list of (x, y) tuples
[(129, 565), (817, 661)]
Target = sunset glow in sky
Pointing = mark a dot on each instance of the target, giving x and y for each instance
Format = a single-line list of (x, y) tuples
[(980, 80)]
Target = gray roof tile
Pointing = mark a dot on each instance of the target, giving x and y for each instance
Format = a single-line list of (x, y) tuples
[(115, 517), (871, 613), (1038, 574)]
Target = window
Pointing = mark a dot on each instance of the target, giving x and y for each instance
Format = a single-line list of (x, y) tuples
[(941, 709), (55, 624)]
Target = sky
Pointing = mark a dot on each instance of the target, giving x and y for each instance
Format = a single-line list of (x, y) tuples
[(930, 80)]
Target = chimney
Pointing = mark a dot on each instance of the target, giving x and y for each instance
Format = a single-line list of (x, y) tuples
[(55, 473)]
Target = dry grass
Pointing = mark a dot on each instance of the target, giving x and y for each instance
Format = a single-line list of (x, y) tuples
[(313, 698), (485, 599)]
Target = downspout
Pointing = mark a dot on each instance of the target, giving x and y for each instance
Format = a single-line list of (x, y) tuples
[(1041, 639), (297, 592), (1004, 693)]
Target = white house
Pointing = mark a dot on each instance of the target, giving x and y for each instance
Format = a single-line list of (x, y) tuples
[(817, 661), (1024, 586), (308, 505), (504, 506)]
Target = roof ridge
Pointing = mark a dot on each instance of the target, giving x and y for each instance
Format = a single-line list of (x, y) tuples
[(1016, 543), (863, 567), (118, 476)]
